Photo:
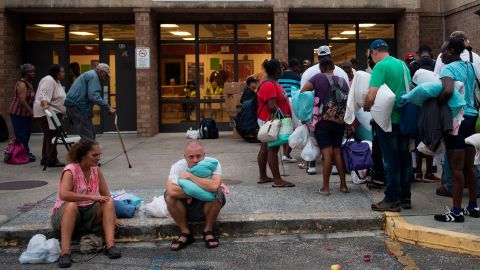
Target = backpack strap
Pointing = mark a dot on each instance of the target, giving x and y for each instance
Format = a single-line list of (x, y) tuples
[(471, 55), (476, 94)]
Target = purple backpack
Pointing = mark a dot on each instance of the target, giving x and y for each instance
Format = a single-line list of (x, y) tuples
[(16, 153), (357, 156)]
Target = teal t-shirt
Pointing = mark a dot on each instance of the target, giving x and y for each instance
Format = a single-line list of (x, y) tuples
[(464, 72), (390, 71)]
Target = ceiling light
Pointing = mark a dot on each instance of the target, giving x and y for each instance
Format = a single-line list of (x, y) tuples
[(168, 25), (269, 32), (269, 38), (180, 33), (339, 38), (108, 39), (89, 48), (366, 24), (188, 38), (348, 32), (269, 25), (81, 33), (49, 25)]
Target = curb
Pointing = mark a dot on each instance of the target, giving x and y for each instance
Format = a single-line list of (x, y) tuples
[(399, 229), (157, 229)]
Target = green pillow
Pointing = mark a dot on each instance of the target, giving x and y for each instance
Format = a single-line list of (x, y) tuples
[(203, 169)]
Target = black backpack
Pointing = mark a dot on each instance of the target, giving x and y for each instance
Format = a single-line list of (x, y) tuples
[(208, 129)]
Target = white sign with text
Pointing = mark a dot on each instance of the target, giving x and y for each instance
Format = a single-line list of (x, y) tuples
[(142, 58)]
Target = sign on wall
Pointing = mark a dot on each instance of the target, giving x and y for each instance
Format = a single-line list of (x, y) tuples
[(142, 57)]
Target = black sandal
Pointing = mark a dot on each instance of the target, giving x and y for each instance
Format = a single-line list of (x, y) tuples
[(211, 240), (182, 244)]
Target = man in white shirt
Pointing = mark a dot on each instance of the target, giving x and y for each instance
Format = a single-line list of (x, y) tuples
[(183, 208), (323, 52), (467, 54)]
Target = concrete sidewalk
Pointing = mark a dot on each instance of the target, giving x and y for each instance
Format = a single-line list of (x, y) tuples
[(251, 209)]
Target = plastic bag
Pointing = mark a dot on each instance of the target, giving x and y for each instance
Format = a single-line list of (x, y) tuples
[(310, 151), (158, 207), (362, 179), (299, 137), (193, 134), (39, 250)]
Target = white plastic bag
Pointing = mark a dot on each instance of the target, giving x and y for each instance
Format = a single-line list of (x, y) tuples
[(382, 108), (427, 151), (364, 118), (310, 151), (192, 134), (39, 250), (299, 137), (360, 180), (158, 207)]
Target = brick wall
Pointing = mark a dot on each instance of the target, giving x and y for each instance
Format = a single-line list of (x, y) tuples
[(466, 21), (147, 79), (431, 32), (10, 60), (280, 27), (407, 34)]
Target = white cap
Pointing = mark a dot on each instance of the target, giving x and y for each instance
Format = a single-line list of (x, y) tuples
[(323, 50), (103, 67)]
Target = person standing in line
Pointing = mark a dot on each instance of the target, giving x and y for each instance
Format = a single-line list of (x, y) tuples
[(21, 109), (393, 145), (84, 93), (50, 96)]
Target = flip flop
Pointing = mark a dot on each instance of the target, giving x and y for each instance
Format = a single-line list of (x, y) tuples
[(284, 185), (347, 191), (324, 193), (263, 182)]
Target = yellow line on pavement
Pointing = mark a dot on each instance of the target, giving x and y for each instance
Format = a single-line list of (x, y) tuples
[(402, 257)]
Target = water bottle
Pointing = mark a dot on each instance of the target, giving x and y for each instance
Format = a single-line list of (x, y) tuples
[(142, 210)]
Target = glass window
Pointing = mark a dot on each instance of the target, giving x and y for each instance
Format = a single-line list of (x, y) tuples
[(341, 31), (216, 31), (177, 32), (374, 31), (342, 52), (45, 32), (177, 68), (254, 32), (176, 113), (82, 32), (306, 31), (251, 57), (112, 32)]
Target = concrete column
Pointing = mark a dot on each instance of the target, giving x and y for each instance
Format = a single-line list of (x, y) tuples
[(146, 30), (280, 26), (408, 34), (10, 60)]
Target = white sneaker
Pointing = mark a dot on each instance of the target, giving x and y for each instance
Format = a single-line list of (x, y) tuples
[(289, 160), (334, 170), (312, 170)]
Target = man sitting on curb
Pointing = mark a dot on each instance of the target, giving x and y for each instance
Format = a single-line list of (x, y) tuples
[(183, 208)]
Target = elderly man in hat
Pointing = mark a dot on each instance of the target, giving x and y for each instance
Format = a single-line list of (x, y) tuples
[(84, 93)]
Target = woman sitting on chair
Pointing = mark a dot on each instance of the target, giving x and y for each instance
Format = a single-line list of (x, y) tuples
[(50, 96), (83, 201)]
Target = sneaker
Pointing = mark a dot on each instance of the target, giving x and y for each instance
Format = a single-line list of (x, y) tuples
[(386, 206), (65, 261), (31, 157), (312, 170), (449, 216), (406, 204), (430, 177), (113, 252), (289, 159), (334, 170), (475, 212), (418, 177)]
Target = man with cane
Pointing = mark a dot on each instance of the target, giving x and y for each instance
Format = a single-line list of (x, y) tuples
[(84, 93)]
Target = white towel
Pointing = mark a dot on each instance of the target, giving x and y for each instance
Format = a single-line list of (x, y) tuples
[(475, 141), (356, 96)]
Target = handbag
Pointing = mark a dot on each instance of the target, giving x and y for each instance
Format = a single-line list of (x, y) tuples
[(357, 156), (269, 131), (286, 129), (15, 153)]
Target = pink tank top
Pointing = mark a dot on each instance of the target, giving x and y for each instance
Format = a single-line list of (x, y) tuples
[(80, 185)]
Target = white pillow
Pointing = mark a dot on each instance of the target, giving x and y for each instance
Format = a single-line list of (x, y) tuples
[(382, 108)]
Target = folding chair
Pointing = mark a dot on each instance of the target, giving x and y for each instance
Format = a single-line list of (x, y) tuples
[(60, 134)]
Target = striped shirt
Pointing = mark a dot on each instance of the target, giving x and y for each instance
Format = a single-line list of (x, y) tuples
[(18, 108), (288, 80)]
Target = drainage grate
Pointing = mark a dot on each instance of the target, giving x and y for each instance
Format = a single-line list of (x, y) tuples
[(16, 185), (231, 182)]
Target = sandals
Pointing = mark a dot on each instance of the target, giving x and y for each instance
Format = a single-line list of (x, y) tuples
[(284, 184), (212, 242), (182, 244)]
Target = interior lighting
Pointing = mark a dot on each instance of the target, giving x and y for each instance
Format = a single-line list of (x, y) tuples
[(180, 33), (339, 38), (188, 38), (49, 25), (348, 32), (168, 25), (366, 24), (269, 32), (81, 33)]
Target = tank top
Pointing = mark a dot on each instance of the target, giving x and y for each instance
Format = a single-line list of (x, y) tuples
[(17, 108)]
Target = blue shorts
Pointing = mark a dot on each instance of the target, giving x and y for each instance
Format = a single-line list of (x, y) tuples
[(329, 134), (467, 129)]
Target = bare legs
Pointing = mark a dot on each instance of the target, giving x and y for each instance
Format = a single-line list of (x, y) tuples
[(269, 156), (331, 155)]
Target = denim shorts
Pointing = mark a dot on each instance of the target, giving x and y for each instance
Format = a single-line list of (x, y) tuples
[(467, 129)]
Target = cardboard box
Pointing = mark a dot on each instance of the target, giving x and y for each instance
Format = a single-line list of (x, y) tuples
[(231, 102), (232, 88)]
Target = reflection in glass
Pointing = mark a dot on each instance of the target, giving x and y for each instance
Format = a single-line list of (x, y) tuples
[(112, 32), (254, 32), (342, 52), (341, 31), (374, 31), (176, 113), (81, 32), (306, 31), (44, 32), (177, 68), (217, 62), (216, 31), (177, 32)]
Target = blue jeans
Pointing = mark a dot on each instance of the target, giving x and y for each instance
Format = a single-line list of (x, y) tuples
[(22, 127), (397, 162), (447, 175)]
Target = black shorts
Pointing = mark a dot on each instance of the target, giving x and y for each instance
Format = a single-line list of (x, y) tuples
[(467, 129), (195, 211), (329, 134)]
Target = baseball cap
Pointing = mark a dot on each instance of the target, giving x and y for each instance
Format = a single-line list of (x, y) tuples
[(459, 34), (103, 67), (377, 44), (409, 56), (323, 50)]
